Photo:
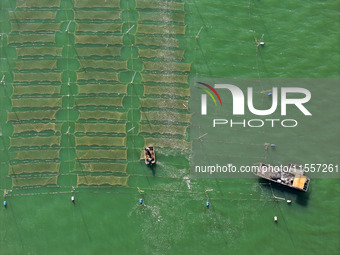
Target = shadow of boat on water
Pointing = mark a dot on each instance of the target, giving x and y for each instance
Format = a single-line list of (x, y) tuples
[(152, 168)]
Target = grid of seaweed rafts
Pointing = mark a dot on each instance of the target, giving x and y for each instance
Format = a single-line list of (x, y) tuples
[(164, 106), (35, 142)]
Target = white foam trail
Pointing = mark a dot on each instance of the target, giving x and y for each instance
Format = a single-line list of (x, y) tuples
[(187, 180)]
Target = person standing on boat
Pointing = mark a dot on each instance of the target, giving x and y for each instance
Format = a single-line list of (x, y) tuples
[(148, 151)]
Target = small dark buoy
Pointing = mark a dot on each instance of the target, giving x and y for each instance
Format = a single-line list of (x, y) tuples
[(141, 201), (72, 199), (5, 203), (207, 204)]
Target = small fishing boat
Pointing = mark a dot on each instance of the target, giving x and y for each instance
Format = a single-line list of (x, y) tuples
[(150, 156), (291, 175)]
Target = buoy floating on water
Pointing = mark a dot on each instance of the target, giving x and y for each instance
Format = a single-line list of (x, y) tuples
[(275, 218), (207, 204), (141, 201)]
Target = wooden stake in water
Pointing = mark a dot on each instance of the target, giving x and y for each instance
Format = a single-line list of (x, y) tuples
[(130, 129), (198, 33), (133, 77), (202, 136), (129, 29), (68, 26)]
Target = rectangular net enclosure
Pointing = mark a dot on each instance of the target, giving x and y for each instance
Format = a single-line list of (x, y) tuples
[(166, 66), (103, 28), (31, 39), (103, 167), (105, 64), (165, 78), (31, 14), (97, 76), (38, 78), (102, 180), (100, 127), (164, 5), (96, 4), (163, 129), (161, 53), (158, 15), (36, 27), (36, 90), (36, 64), (101, 154), (165, 116), (164, 103), (164, 90), (36, 102), (36, 154), (102, 89), (29, 168), (156, 29), (38, 51), (89, 15), (105, 115), (157, 42), (35, 127), (35, 141), (100, 141), (35, 181), (99, 101), (32, 115), (112, 51), (37, 3), (99, 40)]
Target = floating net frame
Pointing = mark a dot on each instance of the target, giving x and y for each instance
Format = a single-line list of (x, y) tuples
[(36, 90), (102, 180), (102, 167), (29, 168), (100, 141), (35, 182), (34, 141), (31, 115)]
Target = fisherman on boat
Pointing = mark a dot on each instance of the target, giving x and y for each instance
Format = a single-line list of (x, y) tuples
[(148, 151), (150, 159)]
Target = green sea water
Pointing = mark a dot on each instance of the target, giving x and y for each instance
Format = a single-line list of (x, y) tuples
[(301, 41)]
